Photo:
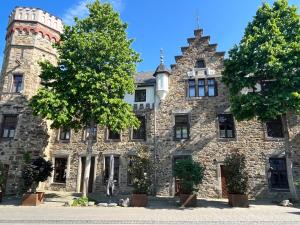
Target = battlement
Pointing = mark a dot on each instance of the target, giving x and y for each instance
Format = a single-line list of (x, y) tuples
[(36, 15)]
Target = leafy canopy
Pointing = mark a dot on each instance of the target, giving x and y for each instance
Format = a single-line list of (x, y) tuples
[(236, 173), (267, 57), (190, 174), (94, 71)]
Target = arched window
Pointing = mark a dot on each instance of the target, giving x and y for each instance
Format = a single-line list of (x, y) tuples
[(27, 16), (20, 16), (200, 64), (33, 16)]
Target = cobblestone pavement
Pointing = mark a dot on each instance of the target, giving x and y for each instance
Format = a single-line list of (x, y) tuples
[(210, 213)]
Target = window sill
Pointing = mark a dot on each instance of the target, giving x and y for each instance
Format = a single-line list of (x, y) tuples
[(63, 141), (227, 139), (112, 140), (199, 98), (138, 140), (279, 190), (281, 139), (181, 140), (58, 184)]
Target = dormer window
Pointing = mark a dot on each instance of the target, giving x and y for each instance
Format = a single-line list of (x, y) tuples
[(200, 64), (140, 95)]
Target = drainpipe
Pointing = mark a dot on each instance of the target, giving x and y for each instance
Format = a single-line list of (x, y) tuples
[(155, 147)]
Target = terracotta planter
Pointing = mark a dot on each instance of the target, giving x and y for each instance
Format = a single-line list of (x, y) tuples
[(1, 195), (188, 200), (41, 196), (31, 199), (237, 200), (139, 200)]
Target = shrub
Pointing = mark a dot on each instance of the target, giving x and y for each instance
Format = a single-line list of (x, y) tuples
[(236, 174), (82, 201), (140, 169), (37, 171), (190, 174)]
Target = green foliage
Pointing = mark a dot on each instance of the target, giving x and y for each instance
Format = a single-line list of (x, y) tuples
[(236, 174), (269, 51), (190, 174), (82, 201), (140, 170), (37, 171), (94, 72)]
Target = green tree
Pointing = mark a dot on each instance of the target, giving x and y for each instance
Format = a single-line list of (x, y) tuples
[(262, 72), (94, 71)]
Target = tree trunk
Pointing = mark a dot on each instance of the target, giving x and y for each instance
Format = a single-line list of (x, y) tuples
[(87, 169)]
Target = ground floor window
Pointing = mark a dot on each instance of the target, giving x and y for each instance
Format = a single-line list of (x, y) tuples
[(278, 170), (129, 174), (116, 169), (60, 170)]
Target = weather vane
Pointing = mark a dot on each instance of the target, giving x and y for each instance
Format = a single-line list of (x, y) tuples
[(161, 56)]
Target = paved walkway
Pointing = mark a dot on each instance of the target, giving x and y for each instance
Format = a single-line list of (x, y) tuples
[(160, 211)]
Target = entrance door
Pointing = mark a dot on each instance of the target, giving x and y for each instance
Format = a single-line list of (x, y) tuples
[(177, 181), (92, 173), (5, 175), (224, 182)]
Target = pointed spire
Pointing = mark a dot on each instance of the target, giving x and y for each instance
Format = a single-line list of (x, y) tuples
[(197, 20), (161, 56)]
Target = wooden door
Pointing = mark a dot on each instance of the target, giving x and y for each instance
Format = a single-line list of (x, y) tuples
[(92, 172), (223, 182), (5, 174)]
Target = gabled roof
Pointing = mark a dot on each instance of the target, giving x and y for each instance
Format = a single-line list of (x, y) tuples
[(145, 78)]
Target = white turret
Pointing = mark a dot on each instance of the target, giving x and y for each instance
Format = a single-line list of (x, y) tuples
[(162, 79)]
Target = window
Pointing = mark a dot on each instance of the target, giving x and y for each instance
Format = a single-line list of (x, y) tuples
[(201, 88), (65, 134), (17, 85), (275, 128), (94, 132), (278, 178), (140, 133), (200, 64), (212, 87), (181, 127), (192, 88), (9, 125), (60, 170), (116, 169), (140, 95), (113, 135), (226, 126)]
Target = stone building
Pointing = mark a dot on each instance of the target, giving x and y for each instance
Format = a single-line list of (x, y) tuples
[(184, 112)]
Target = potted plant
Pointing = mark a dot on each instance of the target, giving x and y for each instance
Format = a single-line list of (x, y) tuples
[(1, 180), (140, 168), (37, 171), (190, 175), (237, 180)]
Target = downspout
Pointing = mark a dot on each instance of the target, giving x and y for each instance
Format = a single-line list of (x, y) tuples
[(155, 147)]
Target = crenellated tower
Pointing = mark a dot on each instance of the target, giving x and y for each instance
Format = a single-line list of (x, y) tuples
[(31, 33)]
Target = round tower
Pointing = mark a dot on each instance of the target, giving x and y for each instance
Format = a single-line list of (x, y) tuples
[(31, 33)]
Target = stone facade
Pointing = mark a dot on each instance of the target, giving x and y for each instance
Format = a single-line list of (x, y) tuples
[(29, 39)]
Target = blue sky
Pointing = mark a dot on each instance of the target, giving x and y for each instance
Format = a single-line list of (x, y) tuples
[(156, 24)]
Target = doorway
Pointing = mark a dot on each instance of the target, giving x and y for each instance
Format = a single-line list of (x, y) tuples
[(5, 175), (92, 174), (223, 182), (177, 185)]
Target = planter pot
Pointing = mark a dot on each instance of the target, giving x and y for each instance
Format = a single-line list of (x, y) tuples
[(1, 195), (139, 200), (188, 200), (237, 200), (31, 199), (41, 196)]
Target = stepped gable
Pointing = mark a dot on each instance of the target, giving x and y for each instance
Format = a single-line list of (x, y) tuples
[(200, 41)]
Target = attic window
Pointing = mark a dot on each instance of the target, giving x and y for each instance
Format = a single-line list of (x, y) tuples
[(200, 64)]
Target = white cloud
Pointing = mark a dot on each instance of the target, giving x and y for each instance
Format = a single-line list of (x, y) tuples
[(79, 9)]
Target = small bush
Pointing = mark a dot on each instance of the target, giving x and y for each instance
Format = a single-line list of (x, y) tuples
[(82, 201), (190, 174), (236, 174)]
